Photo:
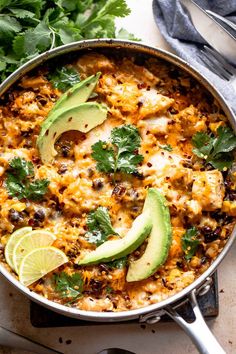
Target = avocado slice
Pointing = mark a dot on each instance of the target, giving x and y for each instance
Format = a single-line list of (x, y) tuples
[(76, 95), (83, 117), (159, 240), (115, 249)]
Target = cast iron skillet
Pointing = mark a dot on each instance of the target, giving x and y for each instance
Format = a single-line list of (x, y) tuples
[(197, 330)]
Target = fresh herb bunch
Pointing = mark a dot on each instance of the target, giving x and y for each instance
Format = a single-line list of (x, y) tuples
[(216, 150), (20, 182), (69, 286), (123, 155), (190, 242), (99, 226), (30, 27)]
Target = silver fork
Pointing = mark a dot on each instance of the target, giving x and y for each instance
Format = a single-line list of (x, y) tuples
[(216, 63)]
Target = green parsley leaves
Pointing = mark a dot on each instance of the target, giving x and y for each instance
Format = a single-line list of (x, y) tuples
[(99, 226), (28, 28), (69, 286), (20, 182), (216, 150), (64, 78), (122, 155), (190, 242)]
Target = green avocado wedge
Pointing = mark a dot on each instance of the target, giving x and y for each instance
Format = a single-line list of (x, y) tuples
[(115, 249), (159, 240), (76, 95), (83, 118)]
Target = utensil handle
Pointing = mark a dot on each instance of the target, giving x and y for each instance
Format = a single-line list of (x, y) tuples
[(198, 330), (13, 340)]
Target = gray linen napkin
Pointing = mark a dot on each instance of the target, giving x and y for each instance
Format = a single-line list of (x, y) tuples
[(181, 35)]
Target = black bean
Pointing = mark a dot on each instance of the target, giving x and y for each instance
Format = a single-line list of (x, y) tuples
[(232, 195), (65, 150), (62, 169), (212, 236), (103, 268), (96, 285), (90, 172), (119, 190), (172, 110), (39, 215), (138, 175), (15, 216), (97, 184), (206, 229), (26, 133)]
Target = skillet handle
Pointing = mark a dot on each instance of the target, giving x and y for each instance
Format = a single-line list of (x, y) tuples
[(198, 330)]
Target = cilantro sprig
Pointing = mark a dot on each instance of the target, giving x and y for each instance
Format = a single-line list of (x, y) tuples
[(99, 226), (67, 286), (63, 78), (190, 242), (20, 182), (120, 154), (30, 27), (216, 150)]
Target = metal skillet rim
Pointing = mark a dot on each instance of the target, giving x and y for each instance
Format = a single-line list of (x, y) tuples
[(169, 57)]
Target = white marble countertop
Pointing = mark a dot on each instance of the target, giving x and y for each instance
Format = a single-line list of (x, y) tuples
[(160, 338)]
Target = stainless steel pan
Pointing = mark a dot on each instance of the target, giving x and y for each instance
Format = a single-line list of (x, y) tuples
[(197, 330)]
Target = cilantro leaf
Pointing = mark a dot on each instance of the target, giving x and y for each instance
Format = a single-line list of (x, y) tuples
[(117, 8), (118, 263), (99, 226), (216, 150), (19, 181), (63, 78), (124, 34), (21, 168), (126, 138), (123, 156), (8, 27), (36, 189), (127, 162), (69, 286), (190, 242), (104, 155), (167, 147), (14, 187)]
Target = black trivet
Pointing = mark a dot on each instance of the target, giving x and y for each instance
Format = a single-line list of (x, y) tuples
[(42, 318)]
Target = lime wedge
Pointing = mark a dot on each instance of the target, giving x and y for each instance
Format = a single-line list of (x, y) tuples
[(14, 238), (39, 262), (30, 241)]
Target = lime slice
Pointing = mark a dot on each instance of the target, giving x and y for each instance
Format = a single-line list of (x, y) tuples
[(14, 238), (30, 241), (39, 262)]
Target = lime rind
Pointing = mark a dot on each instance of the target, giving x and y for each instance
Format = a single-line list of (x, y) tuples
[(30, 241), (39, 262), (13, 239)]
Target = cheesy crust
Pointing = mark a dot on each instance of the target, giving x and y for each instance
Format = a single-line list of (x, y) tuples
[(168, 108)]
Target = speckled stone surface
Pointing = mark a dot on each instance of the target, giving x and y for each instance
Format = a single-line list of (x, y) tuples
[(160, 338)]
